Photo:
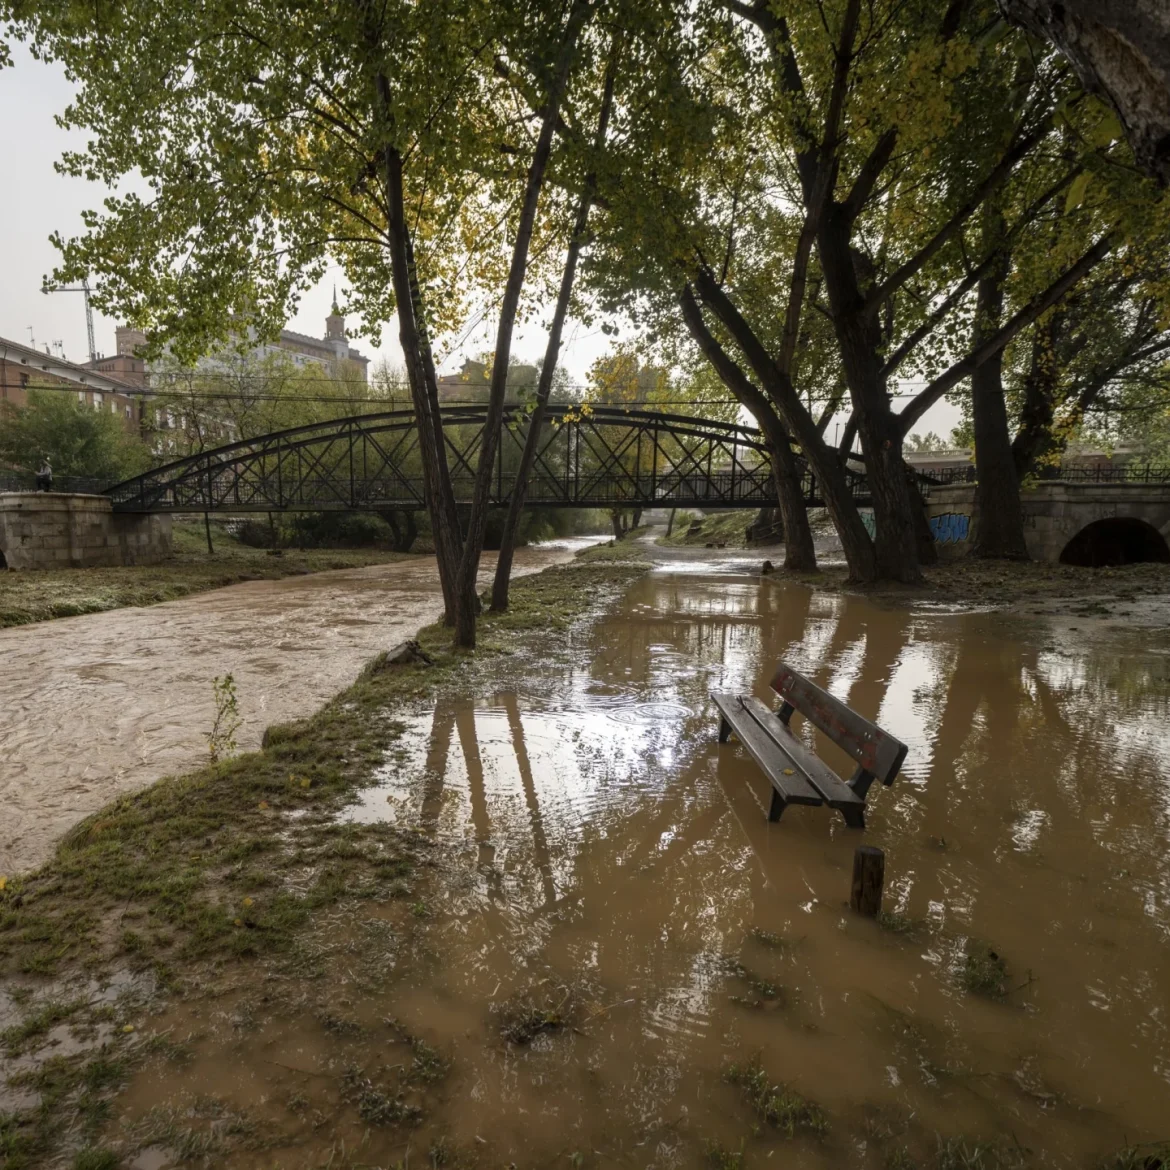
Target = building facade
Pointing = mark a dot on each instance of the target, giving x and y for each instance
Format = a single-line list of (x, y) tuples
[(23, 369)]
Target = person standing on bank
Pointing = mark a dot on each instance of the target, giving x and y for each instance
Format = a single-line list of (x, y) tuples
[(45, 476)]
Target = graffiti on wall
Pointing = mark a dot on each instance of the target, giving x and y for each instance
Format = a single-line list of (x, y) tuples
[(869, 522), (950, 527)]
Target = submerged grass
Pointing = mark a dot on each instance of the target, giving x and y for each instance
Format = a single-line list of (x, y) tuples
[(984, 972), (231, 862), (779, 1105)]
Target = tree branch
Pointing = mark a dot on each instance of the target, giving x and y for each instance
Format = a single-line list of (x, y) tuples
[(1029, 313), (996, 178)]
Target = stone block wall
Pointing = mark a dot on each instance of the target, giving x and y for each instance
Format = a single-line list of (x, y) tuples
[(56, 530)]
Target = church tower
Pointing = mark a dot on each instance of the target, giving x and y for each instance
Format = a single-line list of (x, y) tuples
[(335, 330)]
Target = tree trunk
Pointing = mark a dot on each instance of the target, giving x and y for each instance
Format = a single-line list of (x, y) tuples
[(799, 553), (999, 525), (437, 489), (466, 607), (551, 355), (1034, 438), (859, 340), (670, 523), (1120, 48), (855, 542)]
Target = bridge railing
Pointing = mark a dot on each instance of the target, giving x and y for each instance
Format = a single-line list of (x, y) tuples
[(1092, 473)]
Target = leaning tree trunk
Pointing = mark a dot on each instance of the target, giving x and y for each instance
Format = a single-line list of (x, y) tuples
[(1120, 48), (859, 341), (467, 599), (437, 488), (551, 355), (799, 553), (999, 525)]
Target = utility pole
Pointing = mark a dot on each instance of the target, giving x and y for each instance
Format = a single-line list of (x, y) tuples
[(82, 288)]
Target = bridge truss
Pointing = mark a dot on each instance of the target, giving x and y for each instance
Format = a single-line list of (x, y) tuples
[(589, 457)]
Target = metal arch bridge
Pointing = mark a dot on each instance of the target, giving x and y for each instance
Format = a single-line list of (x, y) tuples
[(589, 457)]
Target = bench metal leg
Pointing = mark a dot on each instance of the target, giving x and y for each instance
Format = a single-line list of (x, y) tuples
[(724, 729), (860, 781), (854, 816), (776, 810)]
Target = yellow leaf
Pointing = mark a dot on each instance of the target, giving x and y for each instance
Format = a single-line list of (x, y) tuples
[(247, 901), (789, 772), (128, 1028), (262, 804), (3, 883), (239, 922), (305, 781)]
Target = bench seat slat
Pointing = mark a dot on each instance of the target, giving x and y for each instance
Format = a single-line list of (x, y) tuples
[(835, 792), (795, 789)]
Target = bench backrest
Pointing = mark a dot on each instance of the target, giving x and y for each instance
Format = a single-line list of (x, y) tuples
[(875, 751)]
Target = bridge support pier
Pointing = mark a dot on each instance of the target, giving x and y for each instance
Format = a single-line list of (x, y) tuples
[(58, 530)]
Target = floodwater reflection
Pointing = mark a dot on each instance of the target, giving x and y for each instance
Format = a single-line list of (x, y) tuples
[(610, 839)]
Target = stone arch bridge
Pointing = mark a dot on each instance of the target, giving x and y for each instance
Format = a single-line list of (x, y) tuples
[(1090, 516)]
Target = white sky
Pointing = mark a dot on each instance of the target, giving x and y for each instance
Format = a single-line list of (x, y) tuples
[(36, 201)]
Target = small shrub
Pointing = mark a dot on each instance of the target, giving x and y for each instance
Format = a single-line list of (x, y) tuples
[(221, 739)]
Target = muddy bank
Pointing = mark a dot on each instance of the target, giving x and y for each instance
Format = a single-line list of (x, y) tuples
[(94, 706), (523, 909), (1137, 595)]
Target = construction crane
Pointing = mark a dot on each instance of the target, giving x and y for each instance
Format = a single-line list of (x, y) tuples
[(82, 288)]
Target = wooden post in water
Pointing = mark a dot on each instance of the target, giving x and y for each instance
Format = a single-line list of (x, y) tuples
[(869, 872)]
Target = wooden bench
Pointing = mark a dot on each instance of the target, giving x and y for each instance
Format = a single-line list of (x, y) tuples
[(797, 773)]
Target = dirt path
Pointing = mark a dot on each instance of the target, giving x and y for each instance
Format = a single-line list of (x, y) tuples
[(94, 706)]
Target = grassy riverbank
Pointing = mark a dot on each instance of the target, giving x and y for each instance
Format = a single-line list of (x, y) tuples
[(1137, 593), (42, 594), (224, 879)]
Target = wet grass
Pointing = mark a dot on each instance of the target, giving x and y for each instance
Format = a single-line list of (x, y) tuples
[(779, 1105), (727, 529), (1150, 1156), (37, 595), (900, 924), (1029, 586), (235, 863), (983, 972)]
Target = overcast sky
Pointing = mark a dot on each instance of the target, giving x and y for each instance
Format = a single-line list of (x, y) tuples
[(35, 201)]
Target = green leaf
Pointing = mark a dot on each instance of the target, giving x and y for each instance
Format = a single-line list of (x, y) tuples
[(1076, 192)]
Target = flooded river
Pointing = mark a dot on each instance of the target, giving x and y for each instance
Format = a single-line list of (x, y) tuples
[(623, 925), (94, 706)]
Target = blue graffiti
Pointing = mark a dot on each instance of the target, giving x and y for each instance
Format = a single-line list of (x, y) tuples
[(870, 524), (951, 527)]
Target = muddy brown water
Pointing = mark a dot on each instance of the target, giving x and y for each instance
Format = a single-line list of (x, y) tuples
[(614, 872), (98, 705)]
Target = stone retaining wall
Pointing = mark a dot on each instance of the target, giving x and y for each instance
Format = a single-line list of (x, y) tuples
[(55, 530)]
